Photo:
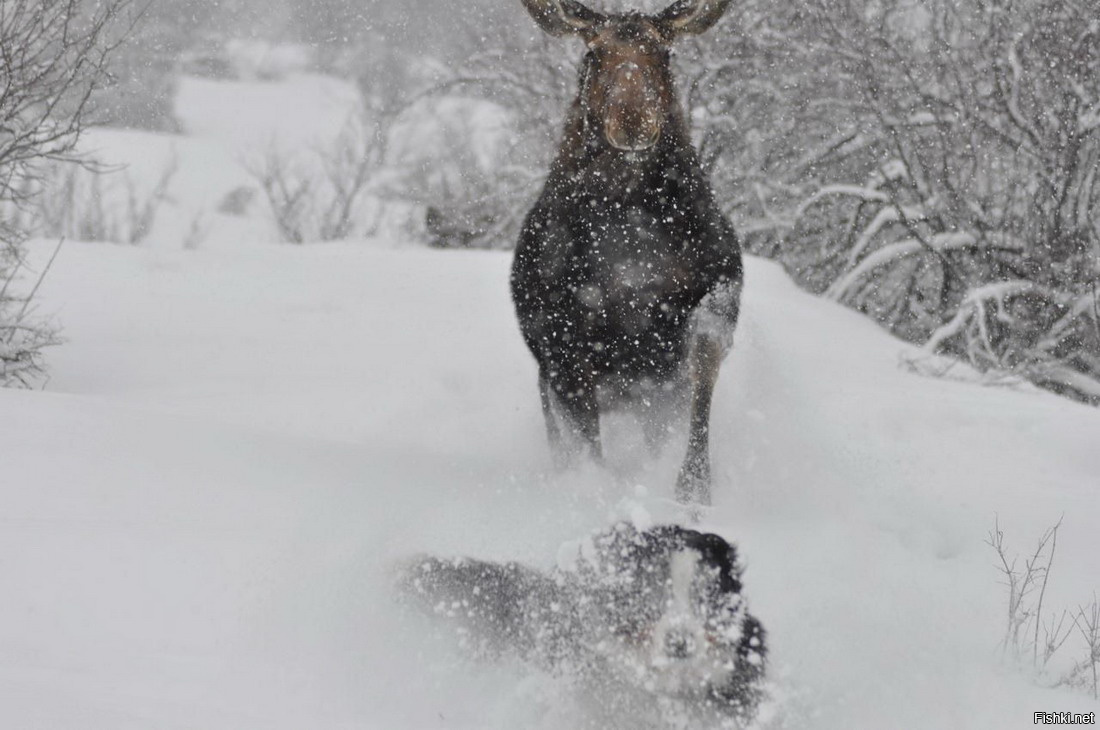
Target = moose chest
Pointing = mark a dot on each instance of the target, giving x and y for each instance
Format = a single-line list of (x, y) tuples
[(610, 281)]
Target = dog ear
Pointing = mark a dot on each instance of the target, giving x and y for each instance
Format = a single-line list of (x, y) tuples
[(722, 555)]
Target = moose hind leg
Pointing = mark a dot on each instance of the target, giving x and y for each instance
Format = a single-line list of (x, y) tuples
[(693, 483)]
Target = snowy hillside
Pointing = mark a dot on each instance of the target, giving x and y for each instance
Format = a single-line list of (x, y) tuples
[(203, 509)]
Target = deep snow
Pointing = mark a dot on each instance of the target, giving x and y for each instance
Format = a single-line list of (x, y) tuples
[(202, 511)]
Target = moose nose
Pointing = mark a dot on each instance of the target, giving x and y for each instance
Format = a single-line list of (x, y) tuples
[(633, 121), (679, 644), (632, 131)]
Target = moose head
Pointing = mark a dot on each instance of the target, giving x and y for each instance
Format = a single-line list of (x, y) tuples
[(626, 89)]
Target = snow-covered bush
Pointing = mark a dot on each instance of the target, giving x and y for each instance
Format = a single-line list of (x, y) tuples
[(932, 165), (972, 225), (54, 57)]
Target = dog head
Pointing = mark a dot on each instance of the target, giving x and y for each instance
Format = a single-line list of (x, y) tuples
[(669, 600)]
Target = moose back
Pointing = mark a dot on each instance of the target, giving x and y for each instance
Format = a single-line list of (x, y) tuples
[(627, 277)]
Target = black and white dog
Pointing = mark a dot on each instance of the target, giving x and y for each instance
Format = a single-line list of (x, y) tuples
[(656, 611)]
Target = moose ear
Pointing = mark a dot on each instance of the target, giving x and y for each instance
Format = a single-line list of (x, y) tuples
[(563, 17), (691, 17)]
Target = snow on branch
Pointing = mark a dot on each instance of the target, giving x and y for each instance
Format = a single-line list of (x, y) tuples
[(997, 327), (974, 305), (857, 191), (885, 217), (954, 241)]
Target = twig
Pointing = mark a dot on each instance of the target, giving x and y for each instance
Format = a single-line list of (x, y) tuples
[(10, 279), (38, 283), (1052, 534), (1089, 626)]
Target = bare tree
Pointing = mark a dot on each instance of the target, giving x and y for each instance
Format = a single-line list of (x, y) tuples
[(53, 56)]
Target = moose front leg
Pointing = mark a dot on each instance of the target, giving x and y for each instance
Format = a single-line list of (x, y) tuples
[(581, 414), (558, 448), (693, 484)]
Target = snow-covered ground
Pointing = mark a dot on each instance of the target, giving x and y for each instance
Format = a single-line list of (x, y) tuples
[(202, 511)]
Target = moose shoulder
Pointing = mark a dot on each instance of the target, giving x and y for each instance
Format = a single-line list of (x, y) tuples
[(627, 277)]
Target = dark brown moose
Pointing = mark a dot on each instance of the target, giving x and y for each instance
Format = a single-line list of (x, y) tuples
[(627, 277)]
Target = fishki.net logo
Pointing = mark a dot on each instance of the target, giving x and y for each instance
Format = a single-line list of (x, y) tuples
[(1064, 718)]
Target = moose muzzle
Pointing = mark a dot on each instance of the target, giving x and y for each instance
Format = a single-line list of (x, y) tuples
[(633, 120)]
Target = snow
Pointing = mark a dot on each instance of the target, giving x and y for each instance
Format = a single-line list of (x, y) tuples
[(301, 109), (203, 510)]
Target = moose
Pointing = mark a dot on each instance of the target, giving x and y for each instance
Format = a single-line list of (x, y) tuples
[(627, 277)]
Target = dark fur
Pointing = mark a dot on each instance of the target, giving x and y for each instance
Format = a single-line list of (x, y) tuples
[(620, 254), (574, 619)]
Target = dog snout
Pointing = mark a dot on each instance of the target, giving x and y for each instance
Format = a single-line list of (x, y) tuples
[(679, 644)]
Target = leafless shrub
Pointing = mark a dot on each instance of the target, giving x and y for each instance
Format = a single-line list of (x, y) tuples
[(1033, 636), (1024, 608), (1087, 622), (327, 195), (22, 336), (53, 56), (88, 202)]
